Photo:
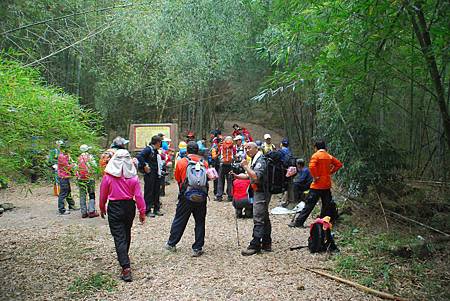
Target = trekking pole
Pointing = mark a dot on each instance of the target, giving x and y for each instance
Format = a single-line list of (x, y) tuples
[(237, 231)]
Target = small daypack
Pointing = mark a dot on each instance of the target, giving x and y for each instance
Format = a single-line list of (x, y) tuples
[(84, 167), (196, 183), (320, 237), (275, 172)]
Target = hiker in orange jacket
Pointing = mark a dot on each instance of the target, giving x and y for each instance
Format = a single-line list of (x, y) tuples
[(322, 165)]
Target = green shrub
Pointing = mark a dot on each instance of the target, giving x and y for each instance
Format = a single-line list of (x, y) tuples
[(33, 116)]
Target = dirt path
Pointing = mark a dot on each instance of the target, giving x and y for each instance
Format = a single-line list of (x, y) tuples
[(42, 254)]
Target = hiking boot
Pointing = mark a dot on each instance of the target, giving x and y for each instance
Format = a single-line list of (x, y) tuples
[(93, 214), (197, 253), (266, 247), (250, 251), (84, 215), (170, 248), (295, 225), (64, 212), (218, 199), (126, 275), (158, 213)]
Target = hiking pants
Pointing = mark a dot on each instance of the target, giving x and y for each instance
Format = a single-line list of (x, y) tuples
[(224, 174), (299, 189), (183, 212), (262, 229), (216, 165), (151, 191), (87, 187), (310, 203), (120, 218), (65, 195)]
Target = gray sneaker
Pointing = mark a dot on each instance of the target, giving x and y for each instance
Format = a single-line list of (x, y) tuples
[(170, 248), (197, 253)]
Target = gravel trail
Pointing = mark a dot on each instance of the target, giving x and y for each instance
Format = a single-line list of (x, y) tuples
[(43, 253)]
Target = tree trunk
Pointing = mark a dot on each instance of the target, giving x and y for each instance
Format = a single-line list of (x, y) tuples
[(423, 35)]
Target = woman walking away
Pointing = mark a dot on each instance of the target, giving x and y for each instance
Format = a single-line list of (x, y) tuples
[(120, 186)]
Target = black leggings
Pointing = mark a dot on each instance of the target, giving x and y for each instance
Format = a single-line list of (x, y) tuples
[(120, 218)]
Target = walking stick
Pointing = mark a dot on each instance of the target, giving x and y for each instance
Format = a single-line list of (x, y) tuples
[(237, 231)]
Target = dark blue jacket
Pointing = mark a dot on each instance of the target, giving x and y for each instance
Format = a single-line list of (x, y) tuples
[(148, 156), (303, 177)]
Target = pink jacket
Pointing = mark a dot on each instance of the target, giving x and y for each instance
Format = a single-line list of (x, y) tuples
[(120, 189)]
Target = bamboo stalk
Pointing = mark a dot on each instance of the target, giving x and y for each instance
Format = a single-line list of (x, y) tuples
[(362, 288)]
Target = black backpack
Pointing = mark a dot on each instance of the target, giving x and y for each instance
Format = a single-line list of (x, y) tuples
[(320, 240), (275, 172)]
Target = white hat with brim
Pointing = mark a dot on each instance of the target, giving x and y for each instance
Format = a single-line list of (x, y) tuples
[(84, 148), (267, 136), (238, 137)]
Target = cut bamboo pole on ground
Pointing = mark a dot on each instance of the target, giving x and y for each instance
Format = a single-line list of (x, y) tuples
[(357, 285)]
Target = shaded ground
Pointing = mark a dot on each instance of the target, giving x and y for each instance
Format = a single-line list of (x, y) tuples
[(42, 254)]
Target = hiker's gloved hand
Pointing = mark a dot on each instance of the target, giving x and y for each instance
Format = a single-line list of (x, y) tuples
[(102, 214)]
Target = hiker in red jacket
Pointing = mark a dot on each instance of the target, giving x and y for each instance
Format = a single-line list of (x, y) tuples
[(227, 151)]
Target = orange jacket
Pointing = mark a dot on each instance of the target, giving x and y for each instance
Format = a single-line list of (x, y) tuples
[(322, 165), (180, 169)]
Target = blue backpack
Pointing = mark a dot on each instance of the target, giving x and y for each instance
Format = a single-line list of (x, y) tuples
[(196, 183)]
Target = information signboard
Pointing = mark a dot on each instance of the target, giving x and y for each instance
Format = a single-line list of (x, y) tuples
[(141, 134)]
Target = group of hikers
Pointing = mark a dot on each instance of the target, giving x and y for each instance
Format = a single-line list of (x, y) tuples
[(251, 170)]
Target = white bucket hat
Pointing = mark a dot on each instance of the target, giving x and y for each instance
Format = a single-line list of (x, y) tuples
[(84, 148)]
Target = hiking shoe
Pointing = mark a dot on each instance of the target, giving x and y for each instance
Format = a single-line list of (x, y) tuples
[(295, 225), (93, 214), (197, 253), (84, 215), (64, 213), (218, 199), (150, 214), (126, 275), (250, 251), (266, 248), (158, 213), (170, 248)]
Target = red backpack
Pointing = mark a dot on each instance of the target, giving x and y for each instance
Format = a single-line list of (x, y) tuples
[(83, 167)]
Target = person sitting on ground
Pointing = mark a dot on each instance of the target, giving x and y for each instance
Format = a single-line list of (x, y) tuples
[(242, 198), (120, 187), (302, 179), (322, 165), (186, 207), (268, 146), (65, 166), (86, 181)]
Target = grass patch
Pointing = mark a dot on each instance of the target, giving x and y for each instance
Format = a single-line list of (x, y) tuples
[(368, 257), (94, 283)]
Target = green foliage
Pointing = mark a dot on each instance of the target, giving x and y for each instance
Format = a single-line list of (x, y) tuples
[(366, 257), (33, 117), (94, 283)]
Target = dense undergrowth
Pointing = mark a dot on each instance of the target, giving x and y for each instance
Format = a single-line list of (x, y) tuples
[(32, 117), (395, 255)]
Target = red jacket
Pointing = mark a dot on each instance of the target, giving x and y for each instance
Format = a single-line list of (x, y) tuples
[(322, 165)]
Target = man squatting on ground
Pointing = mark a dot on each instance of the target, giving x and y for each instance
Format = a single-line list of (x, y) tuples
[(262, 228), (120, 187)]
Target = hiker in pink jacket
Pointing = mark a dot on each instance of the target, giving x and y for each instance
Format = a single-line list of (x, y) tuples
[(120, 187)]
